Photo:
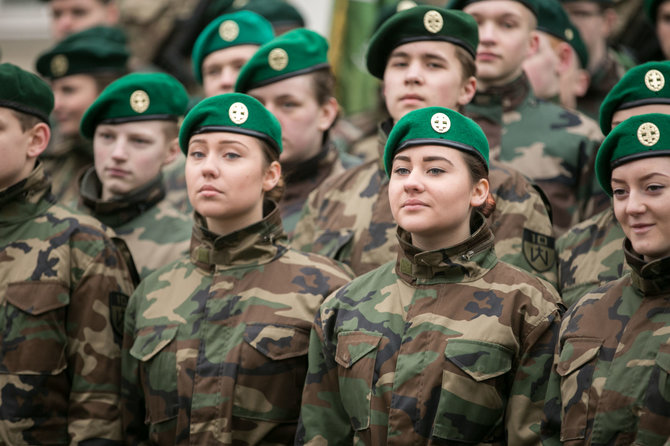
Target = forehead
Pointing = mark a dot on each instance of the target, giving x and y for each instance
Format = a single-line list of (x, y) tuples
[(87, 4), (642, 167), (298, 86), (498, 8), (419, 152), (224, 137), (620, 116), (225, 55), (426, 48)]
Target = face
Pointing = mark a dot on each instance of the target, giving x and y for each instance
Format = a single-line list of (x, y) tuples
[(15, 149), (641, 190), (303, 121), (620, 116), (663, 27), (423, 74), (506, 38), (70, 16), (131, 154), (574, 82), (226, 178), (220, 68), (593, 24), (73, 95), (542, 69), (432, 194)]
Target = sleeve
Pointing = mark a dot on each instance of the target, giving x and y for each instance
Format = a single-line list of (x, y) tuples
[(551, 421), (305, 230), (94, 322)]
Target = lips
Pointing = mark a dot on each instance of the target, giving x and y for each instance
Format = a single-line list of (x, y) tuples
[(641, 228), (411, 97), (485, 56), (413, 204), (208, 190), (115, 172)]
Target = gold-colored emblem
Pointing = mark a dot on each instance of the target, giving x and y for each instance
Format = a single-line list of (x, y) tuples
[(539, 250), (654, 80), (278, 59), (237, 4), (59, 65), (569, 34), (440, 123), (139, 101), (433, 21), (229, 30), (648, 134), (404, 5), (238, 113)]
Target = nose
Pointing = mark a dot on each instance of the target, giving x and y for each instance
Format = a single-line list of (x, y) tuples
[(119, 152), (487, 33), (227, 79), (209, 167), (413, 74), (412, 182), (635, 204)]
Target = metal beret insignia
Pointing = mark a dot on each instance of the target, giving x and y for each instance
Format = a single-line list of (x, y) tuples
[(648, 134), (238, 113), (569, 34), (654, 80), (278, 59), (139, 101), (433, 21), (440, 122), (229, 30), (59, 65)]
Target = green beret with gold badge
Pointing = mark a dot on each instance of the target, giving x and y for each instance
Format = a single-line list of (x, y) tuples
[(552, 19), (101, 49), (460, 4), (297, 52), (416, 24), (645, 84), (637, 137), (25, 92), (235, 113), (136, 97), (278, 12), (436, 126), (237, 28)]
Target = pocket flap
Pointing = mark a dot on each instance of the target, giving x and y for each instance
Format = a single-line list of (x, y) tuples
[(276, 341), (576, 352), (36, 298), (481, 360), (151, 340), (352, 346)]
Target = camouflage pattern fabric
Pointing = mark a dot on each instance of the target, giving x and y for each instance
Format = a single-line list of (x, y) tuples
[(304, 177), (64, 160), (63, 291), (440, 347), (590, 254), (215, 345), (610, 383), (156, 233), (549, 144), (606, 76), (174, 178), (349, 218)]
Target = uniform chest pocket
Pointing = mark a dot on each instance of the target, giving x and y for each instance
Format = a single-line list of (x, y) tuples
[(33, 321), (655, 423), (473, 396), (356, 355), (271, 375), (576, 366), (156, 350)]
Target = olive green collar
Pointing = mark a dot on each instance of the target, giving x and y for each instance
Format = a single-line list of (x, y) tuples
[(26, 199), (651, 278), (495, 101)]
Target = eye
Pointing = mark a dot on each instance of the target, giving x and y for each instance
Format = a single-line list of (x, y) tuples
[(401, 171), (196, 154), (289, 104), (655, 187), (435, 171), (140, 141), (619, 192), (231, 155)]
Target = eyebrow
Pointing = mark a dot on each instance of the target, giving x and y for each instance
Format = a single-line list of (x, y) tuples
[(426, 159), (642, 178), (422, 55)]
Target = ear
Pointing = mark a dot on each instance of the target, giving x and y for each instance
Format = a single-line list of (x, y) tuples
[(468, 91), (328, 114), (582, 82), (173, 152), (271, 176), (566, 57), (611, 19), (480, 191), (534, 43), (113, 14), (39, 136)]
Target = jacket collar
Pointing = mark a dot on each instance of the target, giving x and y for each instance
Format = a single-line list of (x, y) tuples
[(651, 278), (26, 199)]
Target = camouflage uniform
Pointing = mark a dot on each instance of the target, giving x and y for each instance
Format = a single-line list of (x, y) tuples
[(440, 347), (590, 255), (64, 160), (215, 347), (549, 144), (153, 229), (175, 184), (63, 290), (349, 219), (610, 382)]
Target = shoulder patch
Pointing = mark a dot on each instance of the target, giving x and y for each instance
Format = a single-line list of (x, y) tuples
[(117, 309), (539, 250)]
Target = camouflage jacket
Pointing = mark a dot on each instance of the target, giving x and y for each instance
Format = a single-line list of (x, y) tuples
[(590, 254), (303, 178), (63, 291), (610, 383), (65, 160), (156, 233), (549, 144), (215, 345), (440, 347), (174, 178), (349, 219)]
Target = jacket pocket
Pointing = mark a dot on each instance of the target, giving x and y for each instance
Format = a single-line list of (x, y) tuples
[(34, 336), (575, 366), (473, 396), (655, 423), (356, 354), (272, 370), (157, 355)]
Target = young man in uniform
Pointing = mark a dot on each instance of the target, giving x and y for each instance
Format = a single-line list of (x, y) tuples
[(133, 126), (546, 142), (71, 16), (63, 291), (425, 57)]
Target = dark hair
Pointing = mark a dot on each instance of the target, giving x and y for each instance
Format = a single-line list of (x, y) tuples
[(468, 66), (271, 155), (323, 81), (102, 80), (26, 121), (478, 172)]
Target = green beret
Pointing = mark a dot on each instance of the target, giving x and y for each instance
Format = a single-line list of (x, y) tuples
[(651, 8), (637, 137), (136, 97), (436, 126), (387, 11), (101, 49), (238, 28), (460, 4), (299, 51), (421, 23), (552, 19), (25, 92), (645, 84), (231, 112), (280, 13)]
